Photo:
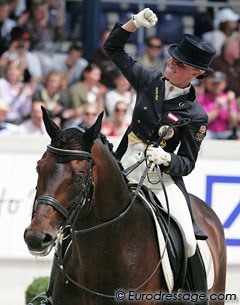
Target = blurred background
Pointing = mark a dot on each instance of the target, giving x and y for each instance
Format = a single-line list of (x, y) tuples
[(49, 51)]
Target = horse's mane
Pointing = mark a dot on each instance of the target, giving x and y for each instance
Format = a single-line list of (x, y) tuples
[(105, 141), (109, 145)]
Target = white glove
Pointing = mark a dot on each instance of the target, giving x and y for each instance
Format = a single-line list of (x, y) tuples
[(158, 156), (145, 18)]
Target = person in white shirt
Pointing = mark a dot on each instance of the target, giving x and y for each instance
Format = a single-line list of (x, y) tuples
[(122, 92), (225, 25), (19, 50), (71, 64), (5, 127), (34, 125)]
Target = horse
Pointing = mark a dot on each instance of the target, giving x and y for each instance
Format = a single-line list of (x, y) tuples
[(113, 253)]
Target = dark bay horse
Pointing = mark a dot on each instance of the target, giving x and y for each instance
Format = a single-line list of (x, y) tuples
[(113, 248)]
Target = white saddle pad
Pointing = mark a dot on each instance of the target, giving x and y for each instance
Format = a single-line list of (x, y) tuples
[(167, 270)]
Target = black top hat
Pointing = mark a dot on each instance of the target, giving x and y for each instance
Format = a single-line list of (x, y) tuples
[(194, 52)]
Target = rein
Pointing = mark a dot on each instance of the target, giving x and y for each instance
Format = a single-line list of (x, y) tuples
[(83, 155), (58, 252), (64, 212)]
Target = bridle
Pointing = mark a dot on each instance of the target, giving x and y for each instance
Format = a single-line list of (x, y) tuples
[(69, 214), (74, 211), (85, 195)]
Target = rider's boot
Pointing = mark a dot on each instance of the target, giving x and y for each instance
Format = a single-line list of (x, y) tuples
[(196, 278)]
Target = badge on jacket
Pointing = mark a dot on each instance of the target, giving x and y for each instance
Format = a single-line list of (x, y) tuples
[(167, 134), (201, 133)]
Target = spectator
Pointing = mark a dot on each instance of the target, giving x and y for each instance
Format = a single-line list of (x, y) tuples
[(121, 92), (34, 125), (5, 127), (15, 93), (17, 7), (199, 86), (44, 35), (19, 50), (100, 58), (87, 119), (54, 96), (229, 63), (153, 56), (70, 64), (88, 90), (221, 107), (6, 25), (90, 113), (117, 125), (226, 25)]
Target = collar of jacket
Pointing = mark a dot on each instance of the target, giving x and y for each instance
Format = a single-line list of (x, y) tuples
[(191, 94)]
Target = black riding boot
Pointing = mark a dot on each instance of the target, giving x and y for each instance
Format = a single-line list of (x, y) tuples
[(196, 279)]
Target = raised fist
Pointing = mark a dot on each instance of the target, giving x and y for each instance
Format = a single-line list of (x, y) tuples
[(145, 18)]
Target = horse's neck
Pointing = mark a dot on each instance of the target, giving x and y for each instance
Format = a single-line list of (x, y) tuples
[(111, 195)]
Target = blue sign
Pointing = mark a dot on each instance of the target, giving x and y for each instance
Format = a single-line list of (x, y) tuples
[(211, 180)]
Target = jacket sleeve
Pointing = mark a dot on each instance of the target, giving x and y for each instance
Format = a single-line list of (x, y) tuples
[(135, 73)]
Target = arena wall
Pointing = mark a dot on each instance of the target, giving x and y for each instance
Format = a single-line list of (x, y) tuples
[(215, 179)]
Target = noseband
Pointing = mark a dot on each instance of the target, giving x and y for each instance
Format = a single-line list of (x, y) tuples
[(48, 200)]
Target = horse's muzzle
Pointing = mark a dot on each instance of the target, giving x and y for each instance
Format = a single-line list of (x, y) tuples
[(39, 243)]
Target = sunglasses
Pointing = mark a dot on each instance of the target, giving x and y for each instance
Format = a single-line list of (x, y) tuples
[(120, 110), (90, 113), (152, 46)]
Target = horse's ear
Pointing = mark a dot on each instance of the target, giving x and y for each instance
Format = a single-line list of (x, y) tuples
[(52, 129), (92, 133)]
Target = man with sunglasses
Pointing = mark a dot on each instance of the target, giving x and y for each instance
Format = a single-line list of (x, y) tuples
[(153, 55), (165, 100)]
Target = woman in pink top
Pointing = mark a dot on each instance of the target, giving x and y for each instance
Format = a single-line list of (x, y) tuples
[(220, 106)]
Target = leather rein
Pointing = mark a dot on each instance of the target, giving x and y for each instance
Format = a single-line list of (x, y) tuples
[(83, 155), (64, 230)]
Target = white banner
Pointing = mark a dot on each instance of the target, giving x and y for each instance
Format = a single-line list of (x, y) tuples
[(215, 181)]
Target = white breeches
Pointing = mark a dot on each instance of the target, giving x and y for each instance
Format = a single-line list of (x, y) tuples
[(177, 203)]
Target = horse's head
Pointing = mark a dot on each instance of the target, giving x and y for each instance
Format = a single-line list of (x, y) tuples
[(64, 183)]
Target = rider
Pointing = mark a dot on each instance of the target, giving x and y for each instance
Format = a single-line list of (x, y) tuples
[(165, 99)]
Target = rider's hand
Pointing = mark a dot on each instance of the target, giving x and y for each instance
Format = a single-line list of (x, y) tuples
[(145, 18), (158, 156)]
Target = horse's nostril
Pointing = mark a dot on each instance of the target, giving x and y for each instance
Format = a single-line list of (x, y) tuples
[(37, 240), (47, 239)]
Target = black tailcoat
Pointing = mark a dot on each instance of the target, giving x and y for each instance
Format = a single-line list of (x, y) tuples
[(151, 111)]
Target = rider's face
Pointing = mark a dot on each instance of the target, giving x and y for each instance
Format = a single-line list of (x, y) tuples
[(180, 74)]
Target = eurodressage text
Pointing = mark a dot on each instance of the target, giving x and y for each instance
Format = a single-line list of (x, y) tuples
[(175, 297)]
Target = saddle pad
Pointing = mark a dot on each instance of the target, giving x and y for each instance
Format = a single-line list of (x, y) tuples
[(166, 266), (165, 262), (208, 261)]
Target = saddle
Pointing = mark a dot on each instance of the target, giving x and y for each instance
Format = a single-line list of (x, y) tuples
[(173, 234)]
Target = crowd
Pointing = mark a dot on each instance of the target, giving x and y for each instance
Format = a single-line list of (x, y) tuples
[(34, 73)]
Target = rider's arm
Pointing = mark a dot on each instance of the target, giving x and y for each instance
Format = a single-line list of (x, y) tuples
[(114, 46)]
